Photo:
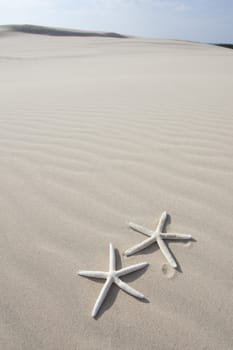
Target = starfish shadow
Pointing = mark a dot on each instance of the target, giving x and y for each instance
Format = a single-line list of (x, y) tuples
[(178, 267), (148, 250), (153, 248), (114, 290), (132, 277), (108, 302), (167, 223)]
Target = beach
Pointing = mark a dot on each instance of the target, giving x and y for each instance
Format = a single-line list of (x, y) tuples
[(97, 132)]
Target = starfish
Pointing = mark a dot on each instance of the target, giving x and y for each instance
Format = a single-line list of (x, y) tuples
[(156, 236), (112, 276)]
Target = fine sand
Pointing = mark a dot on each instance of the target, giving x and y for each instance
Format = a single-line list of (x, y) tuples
[(96, 132)]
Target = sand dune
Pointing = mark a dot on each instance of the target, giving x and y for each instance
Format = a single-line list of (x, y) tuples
[(95, 133), (42, 30)]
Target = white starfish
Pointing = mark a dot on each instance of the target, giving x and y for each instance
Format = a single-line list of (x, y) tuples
[(156, 236), (112, 276)]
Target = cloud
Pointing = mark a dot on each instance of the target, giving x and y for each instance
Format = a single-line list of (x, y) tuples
[(178, 5), (24, 4), (183, 7)]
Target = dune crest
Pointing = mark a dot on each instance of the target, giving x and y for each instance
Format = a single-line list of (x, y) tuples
[(44, 30)]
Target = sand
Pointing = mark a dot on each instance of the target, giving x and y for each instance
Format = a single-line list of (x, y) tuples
[(96, 132)]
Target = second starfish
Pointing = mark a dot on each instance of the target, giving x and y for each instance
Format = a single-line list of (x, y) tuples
[(156, 236)]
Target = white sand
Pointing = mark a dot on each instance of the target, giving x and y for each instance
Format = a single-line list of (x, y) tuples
[(95, 133)]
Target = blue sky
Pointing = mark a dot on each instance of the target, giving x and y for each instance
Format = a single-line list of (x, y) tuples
[(199, 20)]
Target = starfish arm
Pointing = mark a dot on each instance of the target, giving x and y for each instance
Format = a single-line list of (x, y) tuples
[(175, 236), (145, 231), (124, 286), (112, 258), (101, 297), (166, 252), (162, 221), (130, 269), (140, 246), (93, 274)]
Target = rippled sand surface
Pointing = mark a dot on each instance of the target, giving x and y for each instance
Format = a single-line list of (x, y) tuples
[(95, 133)]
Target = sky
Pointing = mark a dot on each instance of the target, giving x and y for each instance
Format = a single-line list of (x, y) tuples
[(196, 20)]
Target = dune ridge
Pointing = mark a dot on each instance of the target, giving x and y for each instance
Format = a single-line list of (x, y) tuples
[(89, 143), (52, 31)]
